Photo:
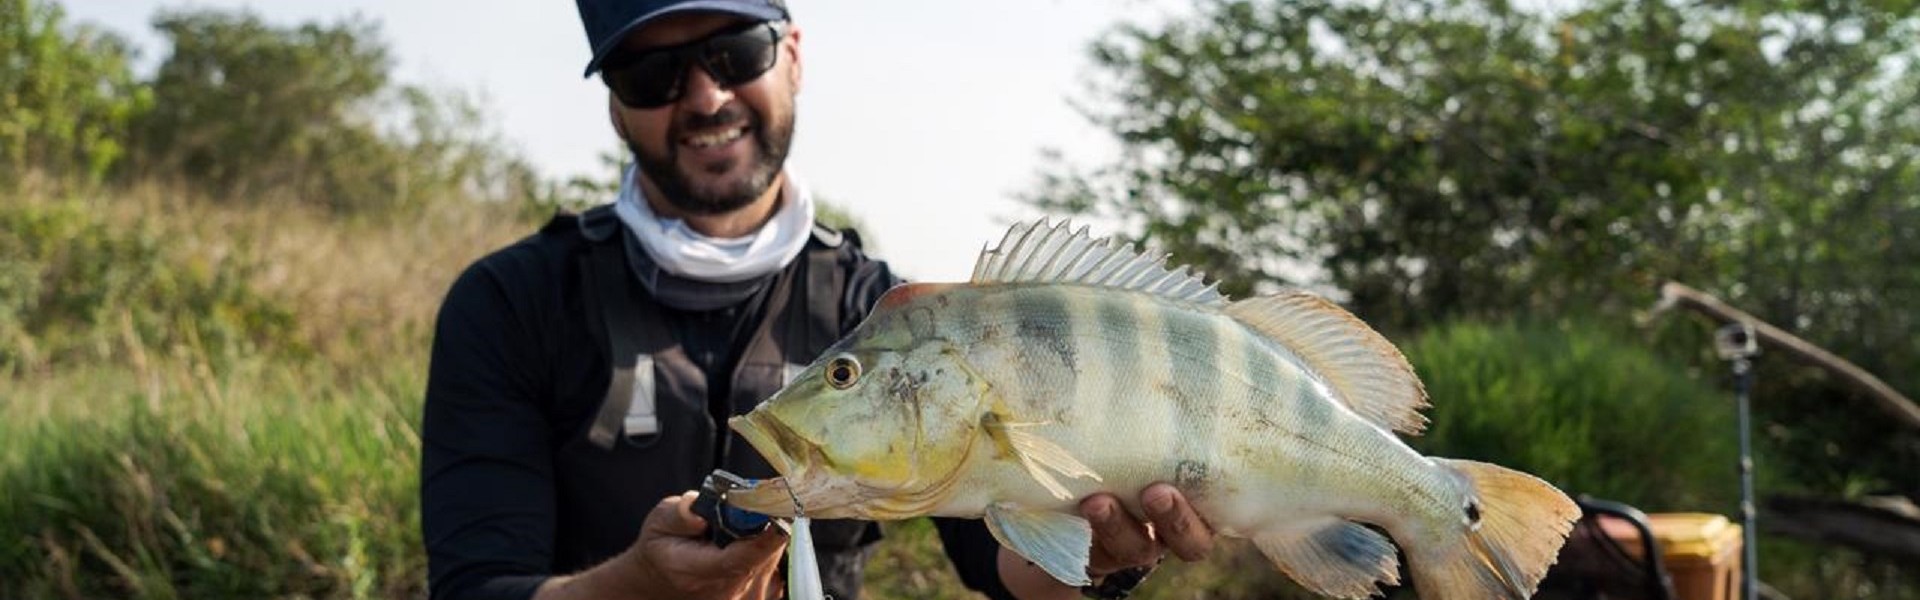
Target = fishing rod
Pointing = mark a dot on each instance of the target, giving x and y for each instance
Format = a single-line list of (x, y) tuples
[(1736, 344)]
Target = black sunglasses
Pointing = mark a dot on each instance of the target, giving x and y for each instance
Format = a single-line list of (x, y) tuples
[(657, 77)]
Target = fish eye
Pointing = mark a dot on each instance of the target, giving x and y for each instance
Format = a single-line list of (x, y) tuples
[(842, 372), (1473, 513)]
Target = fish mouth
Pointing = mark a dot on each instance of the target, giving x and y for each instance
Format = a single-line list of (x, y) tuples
[(795, 459), (789, 453)]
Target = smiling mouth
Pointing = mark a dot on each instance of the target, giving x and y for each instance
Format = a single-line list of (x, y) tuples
[(715, 138)]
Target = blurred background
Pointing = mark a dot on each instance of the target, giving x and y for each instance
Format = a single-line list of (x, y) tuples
[(225, 228)]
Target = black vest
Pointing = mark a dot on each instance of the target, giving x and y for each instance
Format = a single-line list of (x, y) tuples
[(624, 478)]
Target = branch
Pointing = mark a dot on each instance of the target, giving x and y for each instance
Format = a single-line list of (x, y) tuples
[(1850, 376), (1880, 527)]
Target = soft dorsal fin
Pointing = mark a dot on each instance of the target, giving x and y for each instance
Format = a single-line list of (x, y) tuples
[(1038, 252), (1364, 369)]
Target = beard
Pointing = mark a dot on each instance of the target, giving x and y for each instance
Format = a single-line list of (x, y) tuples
[(771, 142)]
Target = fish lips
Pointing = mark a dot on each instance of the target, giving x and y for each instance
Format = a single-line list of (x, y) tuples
[(785, 450), (792, 456)]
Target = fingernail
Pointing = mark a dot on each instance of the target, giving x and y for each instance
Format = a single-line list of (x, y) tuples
[(1159, 501), (1099, 510)]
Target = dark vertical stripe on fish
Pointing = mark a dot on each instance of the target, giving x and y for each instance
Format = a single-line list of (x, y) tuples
[(1193, 352), (1044, 328), (1121, 332), (1263, 372), (1041, 316)]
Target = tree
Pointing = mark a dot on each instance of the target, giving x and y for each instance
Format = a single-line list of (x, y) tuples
[(244, 107), (1440, 159), (65, 95)]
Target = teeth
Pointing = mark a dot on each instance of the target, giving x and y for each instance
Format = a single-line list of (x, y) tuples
[(715, 139)]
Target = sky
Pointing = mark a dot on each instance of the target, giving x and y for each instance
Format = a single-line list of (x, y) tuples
[(923, 119)]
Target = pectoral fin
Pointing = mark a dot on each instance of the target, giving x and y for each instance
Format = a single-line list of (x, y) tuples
[(1058, 543), (1342, 559), (1041, 457)]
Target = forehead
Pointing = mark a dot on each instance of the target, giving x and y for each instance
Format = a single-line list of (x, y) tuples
[(678, 28)]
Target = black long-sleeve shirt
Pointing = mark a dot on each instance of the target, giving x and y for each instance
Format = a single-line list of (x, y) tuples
[(516, 375)]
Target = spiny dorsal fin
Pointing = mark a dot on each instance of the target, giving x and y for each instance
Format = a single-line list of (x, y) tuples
[(1364, 369), (1039, 252)]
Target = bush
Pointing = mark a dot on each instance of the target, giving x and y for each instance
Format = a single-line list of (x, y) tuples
[(1582, 408), (66, 94), (81, 288)]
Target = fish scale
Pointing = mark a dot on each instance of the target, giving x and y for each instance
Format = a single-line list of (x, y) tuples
[(1071, 366), (1123, 439)]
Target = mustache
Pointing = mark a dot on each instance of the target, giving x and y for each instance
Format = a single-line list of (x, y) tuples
[(730, 114)]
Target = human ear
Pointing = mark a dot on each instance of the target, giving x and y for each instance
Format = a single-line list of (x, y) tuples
[(613, 114), (793, 46)]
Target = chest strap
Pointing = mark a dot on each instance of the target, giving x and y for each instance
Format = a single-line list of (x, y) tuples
[(628, 325)]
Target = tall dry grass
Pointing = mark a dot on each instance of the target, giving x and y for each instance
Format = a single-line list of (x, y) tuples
[(144, 462), (153, 465)]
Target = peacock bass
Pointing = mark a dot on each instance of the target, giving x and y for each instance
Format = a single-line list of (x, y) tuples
[(1071, 365)]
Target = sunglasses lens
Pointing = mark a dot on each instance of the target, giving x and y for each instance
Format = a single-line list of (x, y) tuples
[(650, 80), (740, 57)]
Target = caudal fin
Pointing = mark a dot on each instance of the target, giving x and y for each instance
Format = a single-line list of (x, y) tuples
[(1522, 523)]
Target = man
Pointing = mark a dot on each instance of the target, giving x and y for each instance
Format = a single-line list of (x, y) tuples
[(582, 377)]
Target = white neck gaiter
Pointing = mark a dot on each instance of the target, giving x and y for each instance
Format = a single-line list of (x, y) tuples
[(681, 251)]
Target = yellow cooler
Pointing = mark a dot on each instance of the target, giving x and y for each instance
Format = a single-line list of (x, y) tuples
[(1701, 551)]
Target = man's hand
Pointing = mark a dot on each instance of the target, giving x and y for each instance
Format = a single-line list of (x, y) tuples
[(673, 559), (674, 547), (1119, 541), (1122, 542)]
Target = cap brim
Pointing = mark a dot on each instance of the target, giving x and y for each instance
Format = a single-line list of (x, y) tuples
[(752, 9)]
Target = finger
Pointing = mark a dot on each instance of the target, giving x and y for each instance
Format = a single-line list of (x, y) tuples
[(768, 574), (1117, 534), (1176, 524), (761, 586), (764, 578), (757, 552), (674, 517)]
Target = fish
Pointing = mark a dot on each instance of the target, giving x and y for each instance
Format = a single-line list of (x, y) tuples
[(1070, 365)]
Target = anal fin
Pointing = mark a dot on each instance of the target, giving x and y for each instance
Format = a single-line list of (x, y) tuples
[(1058, 543), (1342, 559)]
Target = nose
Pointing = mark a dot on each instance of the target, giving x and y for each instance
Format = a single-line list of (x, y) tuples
[(703, 95)]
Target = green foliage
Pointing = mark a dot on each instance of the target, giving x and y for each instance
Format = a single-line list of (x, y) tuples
[(263, 479), (143, 464), (80, 289), (324, 123), (305, 92), (1443, 158), (1440, 159), (1582, 408), (912, 564), (66, 95)]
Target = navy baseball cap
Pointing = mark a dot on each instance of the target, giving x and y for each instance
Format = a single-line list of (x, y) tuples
[(609, 21)]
